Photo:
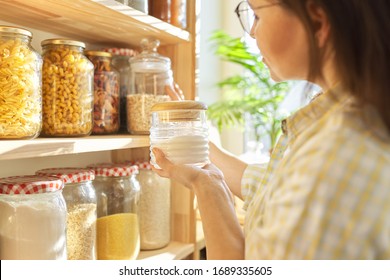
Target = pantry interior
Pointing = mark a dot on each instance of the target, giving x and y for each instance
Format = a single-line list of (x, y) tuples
[(107, 23)]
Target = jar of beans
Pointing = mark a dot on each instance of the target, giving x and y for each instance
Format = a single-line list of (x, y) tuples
[(67, 89), (20, 85), (117, 191), (80, 199), (106, 93)]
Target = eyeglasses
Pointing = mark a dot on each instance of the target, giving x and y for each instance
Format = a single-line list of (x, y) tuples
[(246, 15)]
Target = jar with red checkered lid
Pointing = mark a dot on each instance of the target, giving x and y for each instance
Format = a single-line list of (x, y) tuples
[(117, 191), (32, 218), (80, 198)]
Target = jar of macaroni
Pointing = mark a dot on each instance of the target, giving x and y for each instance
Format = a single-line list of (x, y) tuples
[(20, 85), (32, 218), (117, 191), (80, 199), (180, 130), (67, 88), (106, 93)]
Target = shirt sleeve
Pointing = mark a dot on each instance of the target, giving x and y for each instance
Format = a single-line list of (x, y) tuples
[(251, 180)]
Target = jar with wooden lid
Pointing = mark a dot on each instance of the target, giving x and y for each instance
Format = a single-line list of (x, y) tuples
[(106, 93), (80, 198), (180, 130), (32, 218), (117, 191), (67, 88), (20, 85)]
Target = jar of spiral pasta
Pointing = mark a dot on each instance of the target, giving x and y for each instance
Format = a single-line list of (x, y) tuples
[(20, 85), (67, 88)]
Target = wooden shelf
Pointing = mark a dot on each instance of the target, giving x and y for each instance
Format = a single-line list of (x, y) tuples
[(41, 147), (92, 21), (174, 251)]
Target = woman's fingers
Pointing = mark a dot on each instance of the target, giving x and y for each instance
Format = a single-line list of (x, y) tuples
[(174, 91)]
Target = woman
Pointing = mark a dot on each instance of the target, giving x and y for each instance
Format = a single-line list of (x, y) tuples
[(326, 191)]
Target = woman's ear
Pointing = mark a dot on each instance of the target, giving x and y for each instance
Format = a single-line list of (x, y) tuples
[(320, 22)]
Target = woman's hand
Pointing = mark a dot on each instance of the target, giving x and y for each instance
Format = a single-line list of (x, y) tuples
[(174, 91)]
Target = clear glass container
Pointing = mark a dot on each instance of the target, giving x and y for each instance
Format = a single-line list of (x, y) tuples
[(140, 5), (160, 9), (180, 130), (106, 93), (20, 85), (80, 199), (32, 218), (117, 191), (67, 88), (150, 75), (179, 13)]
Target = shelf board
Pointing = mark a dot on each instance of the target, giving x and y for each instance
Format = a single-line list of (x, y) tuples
[(174, 251), (92, 21), (41, 147)]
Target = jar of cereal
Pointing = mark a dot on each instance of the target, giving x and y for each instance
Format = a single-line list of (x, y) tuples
[(20, 85), (67, 88)]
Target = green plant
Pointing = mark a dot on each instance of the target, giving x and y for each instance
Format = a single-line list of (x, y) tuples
[(252, 94)]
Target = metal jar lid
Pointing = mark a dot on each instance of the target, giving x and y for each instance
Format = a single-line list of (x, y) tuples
[(62, 41), (98, 53), (15, 30)]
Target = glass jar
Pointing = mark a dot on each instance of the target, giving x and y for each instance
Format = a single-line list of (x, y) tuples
[(140, 5), (160, 9), (20, 85), (121, 61), (179, 13), (150, 75), (180, 130), (106, 93), (32, 218), (67, 88), (80, 199), (117, 191), (155, 208)]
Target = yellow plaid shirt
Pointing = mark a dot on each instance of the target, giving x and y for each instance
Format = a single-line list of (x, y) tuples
[(325, 193)]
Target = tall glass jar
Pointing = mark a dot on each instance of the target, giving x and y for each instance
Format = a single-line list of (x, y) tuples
[(180, 129), (80, 199), (20, 85), (117, 191), (151, 74), (106, 93), (67, 87), (32, 218)]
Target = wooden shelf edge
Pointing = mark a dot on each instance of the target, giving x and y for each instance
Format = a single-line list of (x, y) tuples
[(174, 251)]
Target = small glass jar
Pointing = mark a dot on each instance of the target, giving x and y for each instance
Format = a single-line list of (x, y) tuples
[(67, 88), (80, 199), (106, 93), (32, 218), (150, 75), (180, 130), (160, 9), (117, 191), (20, 85), (155, 208), (179, 13)]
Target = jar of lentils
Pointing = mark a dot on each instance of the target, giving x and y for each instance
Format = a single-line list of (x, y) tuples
[(80, 199), (20, 85), (117, 191), (67, 88)]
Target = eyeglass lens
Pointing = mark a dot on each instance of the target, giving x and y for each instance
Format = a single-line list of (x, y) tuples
[(246, 16)]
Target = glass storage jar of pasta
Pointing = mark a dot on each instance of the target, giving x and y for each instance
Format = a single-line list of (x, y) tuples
[(67, 89), (20, 85), (32, 218), (80, 199), (117, 191), (106, 93)]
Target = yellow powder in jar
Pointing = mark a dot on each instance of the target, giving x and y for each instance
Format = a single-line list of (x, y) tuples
[(118, 237)]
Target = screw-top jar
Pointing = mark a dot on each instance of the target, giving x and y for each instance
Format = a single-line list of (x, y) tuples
[(180, 130), (106, 93), (150, 75), (80, 199), (20, 85), (117, 191), (67, 87), (32, 218)]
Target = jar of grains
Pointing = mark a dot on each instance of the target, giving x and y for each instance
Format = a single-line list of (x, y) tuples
[(180, 130), (32, 218), (106, 93), (117, 192), (151, 74), (121, 61), (80, 199), (20, 85), (155, 208), (67, 88)]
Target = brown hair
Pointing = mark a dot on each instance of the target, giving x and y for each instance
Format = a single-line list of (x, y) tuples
[(360, 32)]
